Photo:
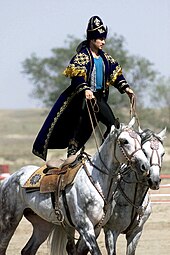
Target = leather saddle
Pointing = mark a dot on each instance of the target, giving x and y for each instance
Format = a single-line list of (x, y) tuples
[(54, 175)]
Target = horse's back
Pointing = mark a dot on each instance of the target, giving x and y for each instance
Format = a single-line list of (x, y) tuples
[(21, 175), (12, 185), (25, 172)]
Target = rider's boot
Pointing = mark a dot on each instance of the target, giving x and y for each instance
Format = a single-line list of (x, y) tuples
[(72, 148)]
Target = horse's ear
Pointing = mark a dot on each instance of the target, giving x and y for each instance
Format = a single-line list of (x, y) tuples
[(162, 134), (140, 130), (112, 128), (132, 122)]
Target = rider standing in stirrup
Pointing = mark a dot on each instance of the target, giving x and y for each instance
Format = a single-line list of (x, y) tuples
[(92, 71)]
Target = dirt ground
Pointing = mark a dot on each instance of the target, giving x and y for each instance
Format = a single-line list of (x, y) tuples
[(155, 238)]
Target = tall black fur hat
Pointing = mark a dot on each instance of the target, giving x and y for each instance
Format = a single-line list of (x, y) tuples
[(96, 29)]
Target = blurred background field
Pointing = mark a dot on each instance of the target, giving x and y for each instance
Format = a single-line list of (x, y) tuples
[(19, 128)]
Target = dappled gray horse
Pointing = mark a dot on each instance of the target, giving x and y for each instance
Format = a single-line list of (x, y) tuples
[(86, 204), (132, 206)]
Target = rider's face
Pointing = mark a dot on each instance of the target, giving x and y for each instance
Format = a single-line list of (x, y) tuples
[(98, 43)]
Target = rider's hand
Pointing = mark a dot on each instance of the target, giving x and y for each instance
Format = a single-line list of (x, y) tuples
[(89, 94), (129, 92)]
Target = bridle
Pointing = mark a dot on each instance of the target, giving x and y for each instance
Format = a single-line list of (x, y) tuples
[(154, 145), (134, 135)]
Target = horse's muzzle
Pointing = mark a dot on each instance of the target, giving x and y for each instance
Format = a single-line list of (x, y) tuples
[(154, 184), (142, 167)]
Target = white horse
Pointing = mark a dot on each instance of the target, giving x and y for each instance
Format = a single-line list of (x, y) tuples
[(130, 204), (85, 205)]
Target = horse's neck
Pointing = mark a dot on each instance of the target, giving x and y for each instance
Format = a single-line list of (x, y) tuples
[(104, 166), (133, 188), (105, 159)]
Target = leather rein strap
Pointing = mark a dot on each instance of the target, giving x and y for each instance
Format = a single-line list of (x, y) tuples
[(133, 112), (131, 133)]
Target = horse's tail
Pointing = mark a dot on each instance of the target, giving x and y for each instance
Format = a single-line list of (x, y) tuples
[(58, 241)]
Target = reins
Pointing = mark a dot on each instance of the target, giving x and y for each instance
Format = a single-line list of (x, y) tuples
[(125, 196), (93, 165), (95, 138), (133, 112), (132, 134), (94, 115)]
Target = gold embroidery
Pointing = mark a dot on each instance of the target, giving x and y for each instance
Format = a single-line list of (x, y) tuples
[(72, 71), (65, 104), (78, 68), (109, 58), (101, 30), (97, 22), (117, 72), (97, 28), (81, 59)]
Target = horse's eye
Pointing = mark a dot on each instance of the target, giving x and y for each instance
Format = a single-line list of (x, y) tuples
[(123, 141)]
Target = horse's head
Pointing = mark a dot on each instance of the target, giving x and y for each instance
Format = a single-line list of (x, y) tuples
[(152, 146), (128, 149)]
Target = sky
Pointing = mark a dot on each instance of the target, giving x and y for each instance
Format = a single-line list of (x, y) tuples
[(37, 26)]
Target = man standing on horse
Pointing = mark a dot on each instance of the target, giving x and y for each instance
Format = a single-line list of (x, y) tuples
[(92, 71)]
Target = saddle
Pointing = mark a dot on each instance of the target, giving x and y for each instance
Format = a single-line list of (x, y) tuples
[(54, 176)]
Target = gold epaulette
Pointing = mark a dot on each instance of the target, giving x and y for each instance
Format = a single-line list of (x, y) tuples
[(72, 71)]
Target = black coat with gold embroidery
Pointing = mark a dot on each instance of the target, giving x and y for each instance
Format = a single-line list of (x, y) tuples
[(60, 124)]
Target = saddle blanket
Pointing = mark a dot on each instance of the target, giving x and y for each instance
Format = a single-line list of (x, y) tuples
[(49, 180)]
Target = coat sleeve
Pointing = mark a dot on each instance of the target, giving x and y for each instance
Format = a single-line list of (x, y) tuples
[(116, 78), (77, 69)]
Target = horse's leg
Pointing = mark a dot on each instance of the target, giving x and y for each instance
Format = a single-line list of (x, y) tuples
[(11, 213), (7, 229), (81, 245), (71, 247), (134, 235), (132, 241), (91, 245), (41, 230), (86, 230), (110, 241)]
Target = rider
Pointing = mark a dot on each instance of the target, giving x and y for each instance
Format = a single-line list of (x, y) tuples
[(92, 71)]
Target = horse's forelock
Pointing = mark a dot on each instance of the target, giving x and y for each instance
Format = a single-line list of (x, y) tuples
[(147, 134)]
